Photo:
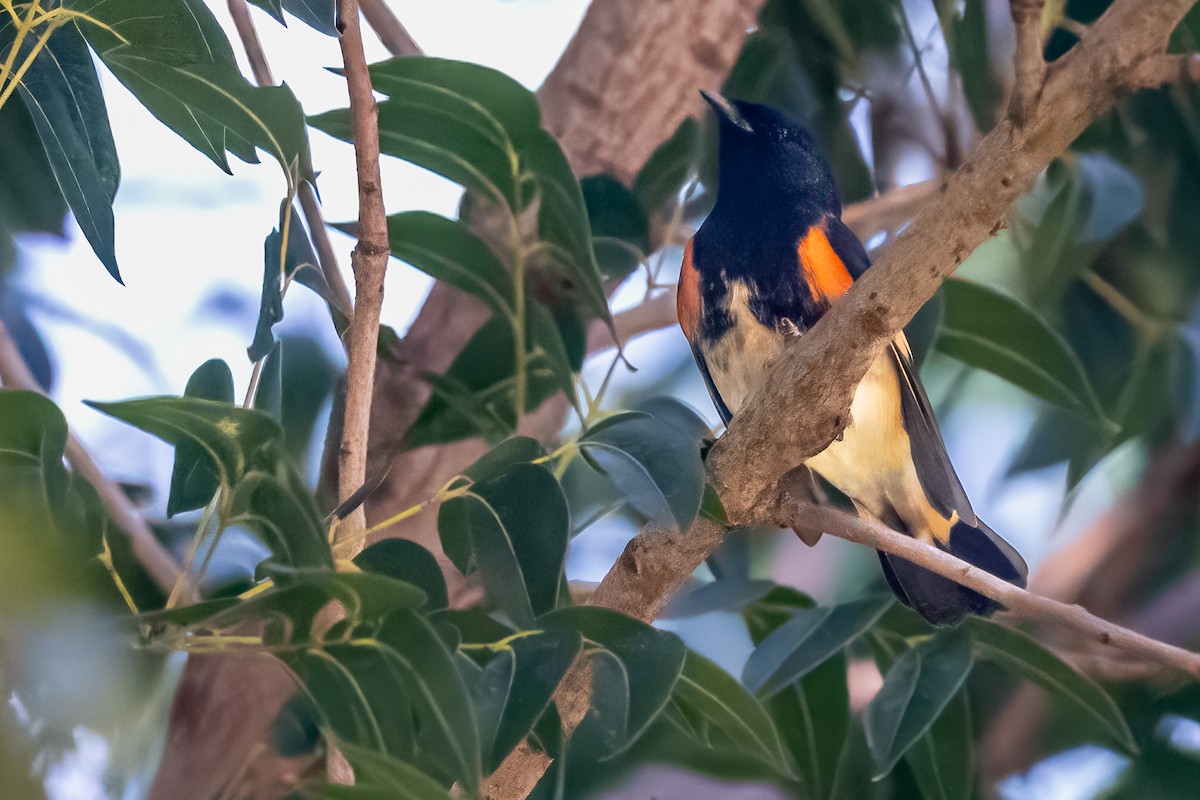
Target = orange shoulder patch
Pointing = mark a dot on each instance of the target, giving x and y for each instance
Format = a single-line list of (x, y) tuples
[(826, 275), (687, 296)]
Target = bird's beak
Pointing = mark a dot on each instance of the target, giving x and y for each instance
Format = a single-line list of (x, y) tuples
[(726, 110)]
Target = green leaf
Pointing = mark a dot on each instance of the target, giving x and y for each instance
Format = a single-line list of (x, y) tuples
[(805, 641), (657, 467), (39, 493), (474, 625), (720, 595), (379, 777), (449, 731), (517, 525), (992, 331), (463, 121), (512, 451), (406, 561), (230, 438), (544, 335), (539, 664), (677, 414), (729, 712), (269, 397), (365, 597), (480, 128), (62, 93), (30, 199), (915, 691), (194, 479), (320, 15), (813, 714), (449, 251), (476, 396), (943, 760), (563, 224), (1022, 655), (176, 60), (665, 172), (651, 659), (620, 228), (278, 507)]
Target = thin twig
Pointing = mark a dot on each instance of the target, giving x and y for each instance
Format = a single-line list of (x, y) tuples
[(341, 306), (150, 553), (250, 43), (369, 262), (1163, 69), (1019, 602), (389, 29), (1029, 65)]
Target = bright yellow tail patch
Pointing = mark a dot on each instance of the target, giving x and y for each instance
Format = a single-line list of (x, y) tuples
[(826, 275)]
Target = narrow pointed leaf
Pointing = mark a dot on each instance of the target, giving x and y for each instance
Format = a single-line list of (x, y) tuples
[(916, 690), (540, 663), (516, 526), (730, 711), (194, 479), (378, 777), (652, 659), (657, 467), (229, 437), (1019, 653), (807, 640), (994, 332), (176, 59), (62, 93), (943, 760), (448, 250), (407, 561)]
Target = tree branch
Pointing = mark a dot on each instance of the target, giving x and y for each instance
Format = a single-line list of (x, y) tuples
[(369, 262), (1173, 68), (150, 553), (388, 28), (1029, 65), (821, 370), (1019, 602)]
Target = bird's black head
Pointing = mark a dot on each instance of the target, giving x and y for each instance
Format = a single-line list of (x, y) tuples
[(765, 158)]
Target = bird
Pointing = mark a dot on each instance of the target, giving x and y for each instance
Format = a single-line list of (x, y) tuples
[(771, 257)]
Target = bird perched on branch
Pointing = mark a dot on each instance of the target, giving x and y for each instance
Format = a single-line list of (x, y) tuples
[(768, 261)]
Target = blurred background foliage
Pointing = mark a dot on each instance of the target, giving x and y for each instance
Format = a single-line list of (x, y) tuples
[(1061, 359)]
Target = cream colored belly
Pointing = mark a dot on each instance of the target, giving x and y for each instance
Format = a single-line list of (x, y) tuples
[(872, 463)]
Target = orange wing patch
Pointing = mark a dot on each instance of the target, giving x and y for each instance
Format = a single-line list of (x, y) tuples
[(687, 296), (826, 275)]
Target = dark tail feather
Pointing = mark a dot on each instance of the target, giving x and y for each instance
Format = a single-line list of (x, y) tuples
[(940, 600)]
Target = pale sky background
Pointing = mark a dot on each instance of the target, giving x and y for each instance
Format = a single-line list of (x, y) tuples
[(187, 233)]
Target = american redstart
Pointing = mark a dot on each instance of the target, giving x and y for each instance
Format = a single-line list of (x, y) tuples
[(770, 259)]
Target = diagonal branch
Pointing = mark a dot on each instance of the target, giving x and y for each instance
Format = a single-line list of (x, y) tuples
[(821, 370)]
